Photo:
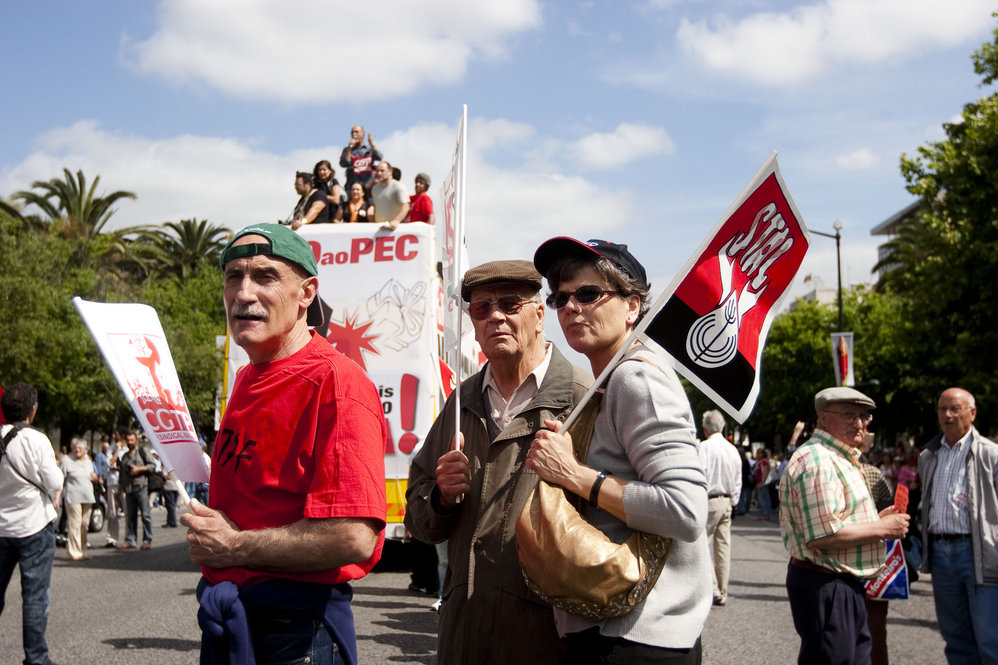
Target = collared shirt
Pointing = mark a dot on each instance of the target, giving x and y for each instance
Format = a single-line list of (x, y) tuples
[(880, 491), (101, 466), (24, 508), (722, 466), (502, 411), (949, 511), (822, 491)]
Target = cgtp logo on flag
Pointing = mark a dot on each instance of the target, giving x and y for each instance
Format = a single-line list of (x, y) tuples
[(716, 320), (159, 399), (131, 339)]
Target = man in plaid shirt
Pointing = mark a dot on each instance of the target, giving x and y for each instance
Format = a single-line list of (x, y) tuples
[(832, 531)]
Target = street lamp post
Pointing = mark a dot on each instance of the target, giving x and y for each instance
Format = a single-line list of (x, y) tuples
[(837, 225)]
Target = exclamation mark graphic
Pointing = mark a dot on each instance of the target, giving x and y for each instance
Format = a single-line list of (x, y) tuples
[(407, 412), (390, 443)]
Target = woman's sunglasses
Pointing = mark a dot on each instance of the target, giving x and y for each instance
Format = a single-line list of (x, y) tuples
[(584, 295)]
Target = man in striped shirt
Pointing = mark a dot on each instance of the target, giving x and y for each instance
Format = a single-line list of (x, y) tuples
[(959, 470), (832, 531)]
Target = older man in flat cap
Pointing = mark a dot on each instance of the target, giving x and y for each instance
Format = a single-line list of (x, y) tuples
[(832, 531), (471, 496)]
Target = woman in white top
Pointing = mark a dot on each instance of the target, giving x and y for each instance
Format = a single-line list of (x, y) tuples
[(78, 470)]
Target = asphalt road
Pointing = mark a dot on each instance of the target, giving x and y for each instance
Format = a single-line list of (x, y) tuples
[(138, 608)]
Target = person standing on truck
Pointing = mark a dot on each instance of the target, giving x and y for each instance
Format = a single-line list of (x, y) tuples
[(471, 494), (297, 476)]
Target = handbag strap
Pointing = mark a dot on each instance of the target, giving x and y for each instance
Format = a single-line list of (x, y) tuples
[(13, 432), (582, 429)]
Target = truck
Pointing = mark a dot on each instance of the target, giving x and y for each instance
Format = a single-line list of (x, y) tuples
[(384, 307)]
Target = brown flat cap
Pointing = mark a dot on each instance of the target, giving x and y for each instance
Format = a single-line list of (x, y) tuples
[(494, 272)]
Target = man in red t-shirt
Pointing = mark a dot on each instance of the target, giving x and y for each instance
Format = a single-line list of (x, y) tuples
[(420, 203), (297, 504)]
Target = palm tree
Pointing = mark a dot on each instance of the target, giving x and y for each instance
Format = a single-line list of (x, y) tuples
[(9, 211), (71, 208), (190, 243)]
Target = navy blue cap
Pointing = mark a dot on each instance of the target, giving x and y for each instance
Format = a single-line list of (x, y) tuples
[(562, 246)]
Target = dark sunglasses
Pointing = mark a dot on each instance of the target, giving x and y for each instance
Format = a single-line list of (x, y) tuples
[(584, 295), (508, 305)]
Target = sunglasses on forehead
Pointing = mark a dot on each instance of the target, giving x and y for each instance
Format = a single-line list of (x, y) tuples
[(508, 305), (584, 295)]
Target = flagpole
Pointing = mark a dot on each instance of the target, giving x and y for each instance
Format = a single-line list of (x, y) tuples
[(458, 246)]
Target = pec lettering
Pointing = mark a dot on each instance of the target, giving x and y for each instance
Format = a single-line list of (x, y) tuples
[(378, 250)]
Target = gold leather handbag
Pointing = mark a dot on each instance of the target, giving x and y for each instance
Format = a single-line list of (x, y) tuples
[(573, 565)]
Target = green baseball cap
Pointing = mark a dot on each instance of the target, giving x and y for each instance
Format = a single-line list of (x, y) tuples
[(284, 243)]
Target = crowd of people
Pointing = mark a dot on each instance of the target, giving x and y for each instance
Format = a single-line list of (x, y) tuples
[(372, 191), (299, 512)]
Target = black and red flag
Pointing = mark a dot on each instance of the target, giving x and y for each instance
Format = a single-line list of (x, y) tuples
[(714, 318)]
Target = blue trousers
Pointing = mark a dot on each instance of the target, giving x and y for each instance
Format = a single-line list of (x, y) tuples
[(34, 554), (829, 612), (967, 613), (292, 637), (135, 501), (589, 647)]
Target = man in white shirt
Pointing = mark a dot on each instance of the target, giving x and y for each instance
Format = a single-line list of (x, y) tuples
[(959, 471), (30, 481), (723, 468)]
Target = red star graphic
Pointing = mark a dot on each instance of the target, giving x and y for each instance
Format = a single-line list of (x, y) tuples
[(350, 339)]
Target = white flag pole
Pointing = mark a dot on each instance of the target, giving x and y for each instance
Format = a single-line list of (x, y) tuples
[(462, 137)]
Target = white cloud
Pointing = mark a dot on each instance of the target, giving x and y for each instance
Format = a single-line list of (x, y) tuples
[(305, 51), (625, 144), (575, 29), (232, 183), (781, 48), (857, 160)]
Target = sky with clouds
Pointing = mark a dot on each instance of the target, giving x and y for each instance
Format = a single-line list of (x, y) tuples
[(637, 122)]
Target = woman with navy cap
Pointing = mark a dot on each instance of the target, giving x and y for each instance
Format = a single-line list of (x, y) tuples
[(642, 471)]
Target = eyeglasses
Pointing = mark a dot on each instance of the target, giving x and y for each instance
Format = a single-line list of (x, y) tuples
[(852, 416), (508, 305), (584, 295)]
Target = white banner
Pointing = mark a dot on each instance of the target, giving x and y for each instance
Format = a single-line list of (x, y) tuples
[(451, 254), (130, 337), (380, 289)]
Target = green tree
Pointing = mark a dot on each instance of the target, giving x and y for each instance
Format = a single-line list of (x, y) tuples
[(45, 341), (797, 363), (72, 209), (50, 258), (947, 254), (177, 248)]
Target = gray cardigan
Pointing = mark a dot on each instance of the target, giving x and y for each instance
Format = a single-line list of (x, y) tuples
[(644, 433), (982, 494)]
